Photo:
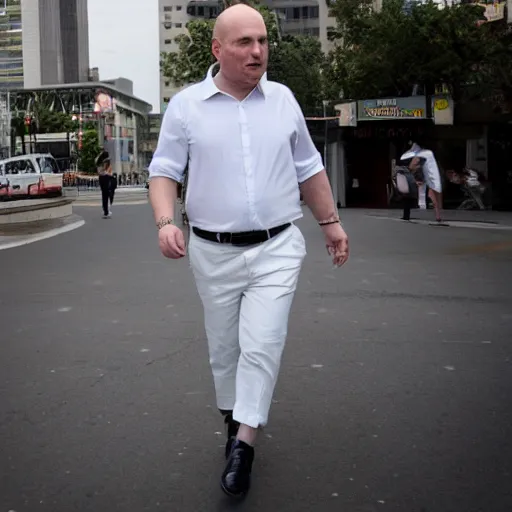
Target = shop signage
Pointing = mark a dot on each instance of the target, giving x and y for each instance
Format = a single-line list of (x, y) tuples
[(413, 107), (494, 11), (347, 113), (442, 108)]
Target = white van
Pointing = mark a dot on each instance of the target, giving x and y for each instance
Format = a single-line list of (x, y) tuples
[(35, 175)]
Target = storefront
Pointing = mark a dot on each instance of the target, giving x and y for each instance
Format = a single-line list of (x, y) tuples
[(377, 132)]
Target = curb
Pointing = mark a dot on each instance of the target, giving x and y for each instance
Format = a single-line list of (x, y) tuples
[(41, 236), (469, 224)]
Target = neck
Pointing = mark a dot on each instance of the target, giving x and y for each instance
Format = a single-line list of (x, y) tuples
[(238, 91)]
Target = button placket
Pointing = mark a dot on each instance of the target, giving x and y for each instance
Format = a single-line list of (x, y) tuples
[(247, 160)]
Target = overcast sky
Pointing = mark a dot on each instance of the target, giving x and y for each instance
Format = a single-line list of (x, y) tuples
[(124, 41)]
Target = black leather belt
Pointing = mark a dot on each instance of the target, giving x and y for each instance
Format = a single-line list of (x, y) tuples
[(242, 238)]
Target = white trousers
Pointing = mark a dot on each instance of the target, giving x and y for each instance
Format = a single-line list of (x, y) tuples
[(247, 293)]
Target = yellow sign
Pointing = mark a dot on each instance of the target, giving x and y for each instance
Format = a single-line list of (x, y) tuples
[(441, 104)]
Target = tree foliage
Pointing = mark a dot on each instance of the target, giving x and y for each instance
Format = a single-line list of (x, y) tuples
[(295, 61), (90, 150), (388, 53), (54, 122)]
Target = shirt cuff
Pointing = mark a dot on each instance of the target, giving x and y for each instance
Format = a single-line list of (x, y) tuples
[(309, 169), (162, 169)]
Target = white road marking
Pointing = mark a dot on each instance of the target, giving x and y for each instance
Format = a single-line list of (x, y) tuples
[(41, 236)]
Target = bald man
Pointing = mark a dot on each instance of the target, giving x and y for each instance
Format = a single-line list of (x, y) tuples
[(249, 157)]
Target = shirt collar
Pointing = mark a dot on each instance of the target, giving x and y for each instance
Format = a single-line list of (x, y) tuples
[(210, 89)]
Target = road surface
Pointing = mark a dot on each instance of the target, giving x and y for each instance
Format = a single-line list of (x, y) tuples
[(394, 395)]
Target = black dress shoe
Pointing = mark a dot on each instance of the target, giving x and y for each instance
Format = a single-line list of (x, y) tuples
[(233, 427), (236, 478)]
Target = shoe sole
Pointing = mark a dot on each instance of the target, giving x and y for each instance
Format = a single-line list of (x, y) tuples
[(232, 495)]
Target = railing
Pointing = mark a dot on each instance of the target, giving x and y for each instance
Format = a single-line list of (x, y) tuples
[(71, 179)]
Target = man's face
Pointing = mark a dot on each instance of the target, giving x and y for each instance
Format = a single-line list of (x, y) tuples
[(243, 52)]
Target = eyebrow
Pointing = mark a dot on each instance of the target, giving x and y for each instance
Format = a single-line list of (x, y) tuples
[(247, 38)]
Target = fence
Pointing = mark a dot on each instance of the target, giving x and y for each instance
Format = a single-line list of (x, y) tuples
[(71, 179)]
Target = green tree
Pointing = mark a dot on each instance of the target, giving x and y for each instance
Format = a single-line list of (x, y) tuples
[(194, 57), (295, 61), (388, 53), (90, 150)]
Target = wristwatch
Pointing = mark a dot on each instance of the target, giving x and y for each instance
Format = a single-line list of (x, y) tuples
[(164, 221)]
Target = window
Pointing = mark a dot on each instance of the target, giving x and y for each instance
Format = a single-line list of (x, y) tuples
[(20, 167), (296, 13), (168, 8), (168, 41), (314, 12), (178, 7), (200, 11), (178, 25), (167, 84), (166, 100), (48, 165)]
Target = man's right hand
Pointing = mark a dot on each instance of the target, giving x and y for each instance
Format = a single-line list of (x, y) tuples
[(172, 242)]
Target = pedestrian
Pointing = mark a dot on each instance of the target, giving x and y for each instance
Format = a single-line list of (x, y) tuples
[(431, 178), (406, 176), (250, 157), (104, 168)]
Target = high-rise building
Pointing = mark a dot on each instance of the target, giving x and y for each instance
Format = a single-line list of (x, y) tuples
[(11, 50), (43, 42), (307, 17)]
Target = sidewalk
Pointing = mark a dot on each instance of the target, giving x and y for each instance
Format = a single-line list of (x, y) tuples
[(15, 235), (454, 218)]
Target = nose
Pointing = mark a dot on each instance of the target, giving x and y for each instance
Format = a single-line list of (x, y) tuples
[(256, 49)]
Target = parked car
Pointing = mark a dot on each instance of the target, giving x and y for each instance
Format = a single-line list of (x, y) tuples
[(34, 175)]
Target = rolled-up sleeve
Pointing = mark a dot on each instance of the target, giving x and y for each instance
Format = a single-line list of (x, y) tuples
[(306, 157), (171, 155)]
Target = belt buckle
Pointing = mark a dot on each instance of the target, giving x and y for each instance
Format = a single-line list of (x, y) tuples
[(224, 240)]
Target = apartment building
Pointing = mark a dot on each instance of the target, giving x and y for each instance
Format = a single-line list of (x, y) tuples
[(308, 17), (43, 42)]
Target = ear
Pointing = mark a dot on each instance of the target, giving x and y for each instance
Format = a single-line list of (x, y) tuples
[(216, 48)]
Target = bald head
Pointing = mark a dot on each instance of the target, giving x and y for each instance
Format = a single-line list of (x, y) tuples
[(240, 46), (235, 16)]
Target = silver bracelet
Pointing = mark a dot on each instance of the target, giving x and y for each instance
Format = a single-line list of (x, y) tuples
[(164, 221)]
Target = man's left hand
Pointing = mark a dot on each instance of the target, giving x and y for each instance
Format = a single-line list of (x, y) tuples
[(336, 243)]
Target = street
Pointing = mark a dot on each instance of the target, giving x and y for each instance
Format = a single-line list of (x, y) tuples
[(395, 391)]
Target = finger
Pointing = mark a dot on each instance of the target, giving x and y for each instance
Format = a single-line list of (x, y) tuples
[(180, 241), (169, 248), (341, 255), (174, 245)]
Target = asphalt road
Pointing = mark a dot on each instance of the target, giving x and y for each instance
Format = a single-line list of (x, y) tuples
[(395, 392)]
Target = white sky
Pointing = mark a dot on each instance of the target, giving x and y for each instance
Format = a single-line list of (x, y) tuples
[(124, 41)]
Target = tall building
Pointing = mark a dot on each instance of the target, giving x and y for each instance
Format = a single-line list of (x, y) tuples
[(43, 42), (307, 17), (11, 50)]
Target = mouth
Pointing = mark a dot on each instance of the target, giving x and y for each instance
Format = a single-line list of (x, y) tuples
[(254, 65)]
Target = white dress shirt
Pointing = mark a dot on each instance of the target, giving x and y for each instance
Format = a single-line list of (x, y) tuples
[(245, 158)]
